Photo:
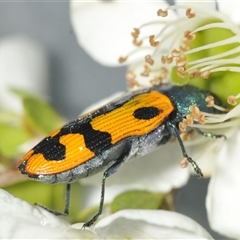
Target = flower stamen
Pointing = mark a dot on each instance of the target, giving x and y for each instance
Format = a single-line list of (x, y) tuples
[(181, 72), (162, 13), (135, 33), (232, 100), (152, 41), (122, 59), (210, 103), (189, 35), (189, 13), (149, 59), (179, 40), (176, 53), (146, 71), (166, 59), (131, 80)]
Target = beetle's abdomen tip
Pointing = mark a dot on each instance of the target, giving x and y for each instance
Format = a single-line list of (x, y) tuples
[(22, 167)]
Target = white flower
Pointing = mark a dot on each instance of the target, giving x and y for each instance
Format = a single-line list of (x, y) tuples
[(20, 220), (223, 192), (147, 224), (212, 59)]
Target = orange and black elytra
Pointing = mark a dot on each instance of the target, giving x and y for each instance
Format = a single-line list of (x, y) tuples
[(102, 140)]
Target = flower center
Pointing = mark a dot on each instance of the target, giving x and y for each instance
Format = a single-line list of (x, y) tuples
[(201, 48)]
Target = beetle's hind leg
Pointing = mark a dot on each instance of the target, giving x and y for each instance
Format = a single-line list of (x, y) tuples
[(67, 203), (106, 174)]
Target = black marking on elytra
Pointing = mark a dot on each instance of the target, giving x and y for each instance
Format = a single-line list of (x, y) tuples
[(95, 140), (51, 148), (146, 113)]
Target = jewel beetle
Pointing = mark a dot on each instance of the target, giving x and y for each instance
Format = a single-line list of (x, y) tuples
[(102, 140)]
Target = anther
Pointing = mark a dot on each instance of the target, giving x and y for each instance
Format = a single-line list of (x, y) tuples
[(195, 111), (152, 41), (156, 80), (193, 73), (146, 71), (201, 118), (166, 59), (162, 13), (231, 100), (149, 59), (135, 32), (205, 74), (196, 114), (188, 120), (131, 81), (122, 59), (189, 13), (182, 126), (189, 35), (176, 53), (137, 43), (130, 76), (163, 72), (181, 62), (184, 46), (181, 72), (210, 101)]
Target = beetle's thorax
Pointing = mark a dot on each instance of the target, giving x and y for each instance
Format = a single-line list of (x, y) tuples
[(186, 96)]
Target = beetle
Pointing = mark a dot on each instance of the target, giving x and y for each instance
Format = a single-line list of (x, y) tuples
[(132, 125)]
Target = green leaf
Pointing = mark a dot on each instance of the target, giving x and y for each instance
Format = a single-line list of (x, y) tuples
[(39, 115), (137, 200), (11, 136)]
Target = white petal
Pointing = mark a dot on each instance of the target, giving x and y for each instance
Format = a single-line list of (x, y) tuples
[(20, 220), (195, 4), (205, 154), (24, 65), (231, 9), (157, 171), (223, 193), (147, 224), (104, 28)]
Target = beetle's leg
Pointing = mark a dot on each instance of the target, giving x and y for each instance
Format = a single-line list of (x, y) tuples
[(106, 174), (67, 204), (190, 160), (210, 135), (67, 200)]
